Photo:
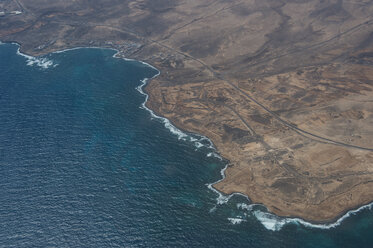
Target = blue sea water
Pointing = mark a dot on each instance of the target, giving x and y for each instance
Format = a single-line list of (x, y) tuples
[(83, 165)]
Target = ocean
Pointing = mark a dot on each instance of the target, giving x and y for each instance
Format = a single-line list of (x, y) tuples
[(84, 164)]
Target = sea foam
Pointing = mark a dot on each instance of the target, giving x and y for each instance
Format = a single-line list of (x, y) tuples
[(41, 62), (236, 221), (275, 223), (198, 140)]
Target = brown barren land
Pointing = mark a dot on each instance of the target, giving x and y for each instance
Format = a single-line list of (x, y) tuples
[(284, 89)]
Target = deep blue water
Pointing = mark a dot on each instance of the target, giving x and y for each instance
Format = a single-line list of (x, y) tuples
[(82, 165)]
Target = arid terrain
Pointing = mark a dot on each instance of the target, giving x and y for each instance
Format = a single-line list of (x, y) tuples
[(284, 89)]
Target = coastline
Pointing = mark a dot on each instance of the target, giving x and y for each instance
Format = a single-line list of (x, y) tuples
[(221, 199), (279, 221)]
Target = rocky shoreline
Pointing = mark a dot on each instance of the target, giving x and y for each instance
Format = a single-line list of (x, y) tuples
[(289, 107)]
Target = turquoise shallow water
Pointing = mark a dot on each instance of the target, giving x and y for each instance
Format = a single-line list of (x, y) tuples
[(82, 165)]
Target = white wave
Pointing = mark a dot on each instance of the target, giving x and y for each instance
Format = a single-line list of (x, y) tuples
[(44, 63), (198, 144), (41, 62), (271, 221), (275, 223), (221, 199), (213, 209), (214, 154), (236, 221), (331, 225), (181, 135), (245, 206), (116, 55), (82, 47), (210, 144), (174, 130)]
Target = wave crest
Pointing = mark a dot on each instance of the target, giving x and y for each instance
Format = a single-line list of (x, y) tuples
[(236, 221), (275, 223), (41, 62), (198, 140)]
